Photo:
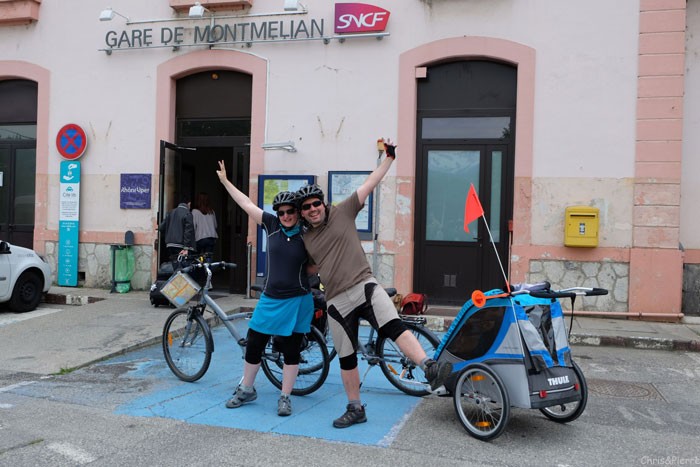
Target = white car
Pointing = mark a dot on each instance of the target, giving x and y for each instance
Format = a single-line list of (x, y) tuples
[(24, 277)]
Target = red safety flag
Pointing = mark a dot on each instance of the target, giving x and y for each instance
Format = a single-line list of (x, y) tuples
[(472, 208)]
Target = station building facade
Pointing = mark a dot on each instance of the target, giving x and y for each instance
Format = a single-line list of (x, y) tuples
[(582, 143)]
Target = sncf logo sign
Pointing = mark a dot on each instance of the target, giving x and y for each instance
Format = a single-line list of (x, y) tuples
[(359, 17)]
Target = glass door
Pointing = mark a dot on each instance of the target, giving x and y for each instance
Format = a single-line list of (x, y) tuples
[(451, 262), (17, 192)]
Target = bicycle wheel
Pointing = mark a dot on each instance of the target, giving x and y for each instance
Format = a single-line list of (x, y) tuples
[(313, 364), (399, 369), (569, 411), (481, 402), (187, 344)]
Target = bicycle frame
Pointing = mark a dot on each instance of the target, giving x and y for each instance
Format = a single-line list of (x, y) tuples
[(370, 354), (205, 300), (227, 320)]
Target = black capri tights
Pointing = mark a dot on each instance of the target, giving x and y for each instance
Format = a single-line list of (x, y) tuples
[(290, 346), (392, 330)]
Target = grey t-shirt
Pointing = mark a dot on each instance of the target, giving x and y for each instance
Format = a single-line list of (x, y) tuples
[(335, 247)]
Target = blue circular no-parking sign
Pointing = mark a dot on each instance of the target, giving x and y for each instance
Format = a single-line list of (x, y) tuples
[(71, 141)]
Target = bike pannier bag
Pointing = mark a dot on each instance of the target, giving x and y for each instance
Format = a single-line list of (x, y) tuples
[(414, 304)]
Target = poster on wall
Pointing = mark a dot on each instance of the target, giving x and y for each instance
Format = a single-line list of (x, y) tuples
[(135, 191), (343, 184), (268, 187)]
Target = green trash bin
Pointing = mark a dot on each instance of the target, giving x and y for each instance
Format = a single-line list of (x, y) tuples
[(122, 268)]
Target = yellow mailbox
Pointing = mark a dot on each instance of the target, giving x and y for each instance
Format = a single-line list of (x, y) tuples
[(581, 226)]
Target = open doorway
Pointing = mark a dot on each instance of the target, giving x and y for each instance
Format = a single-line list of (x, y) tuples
[(191, 170), (232, 223), (213, 117)]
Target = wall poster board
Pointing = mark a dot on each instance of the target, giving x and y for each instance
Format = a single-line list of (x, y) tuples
[(340, 186), (268, 187)]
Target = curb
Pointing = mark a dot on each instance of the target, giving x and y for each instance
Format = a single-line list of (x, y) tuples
[(648, 343), (69, 299), (441, 324)]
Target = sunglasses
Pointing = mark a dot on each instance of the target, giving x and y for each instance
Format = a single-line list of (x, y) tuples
[(307, 206), (288, 212)]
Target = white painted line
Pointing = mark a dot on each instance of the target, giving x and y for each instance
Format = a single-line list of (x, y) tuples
[(6, 406), (10, 318), (73, 453), (15, 386)]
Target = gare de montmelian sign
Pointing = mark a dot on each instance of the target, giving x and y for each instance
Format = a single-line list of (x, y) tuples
[(350, 18)]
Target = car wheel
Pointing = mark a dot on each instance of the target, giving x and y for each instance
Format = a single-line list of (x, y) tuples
[(27, 293)]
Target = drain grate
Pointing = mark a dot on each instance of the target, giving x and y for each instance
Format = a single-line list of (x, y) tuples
[(640, 391)]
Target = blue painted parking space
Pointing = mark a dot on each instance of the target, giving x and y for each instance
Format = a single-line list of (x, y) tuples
[(203, 402)]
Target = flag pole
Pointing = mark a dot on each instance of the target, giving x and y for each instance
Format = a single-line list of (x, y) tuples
[(472, 211), (483, 216)]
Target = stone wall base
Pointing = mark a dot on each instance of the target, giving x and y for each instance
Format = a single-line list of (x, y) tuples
[(95, 265)]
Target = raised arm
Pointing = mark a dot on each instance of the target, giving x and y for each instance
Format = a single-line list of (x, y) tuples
[(253, 211), (375, 177)]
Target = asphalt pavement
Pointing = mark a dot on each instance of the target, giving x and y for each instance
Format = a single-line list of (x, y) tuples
[(91, 337), (80, 326)]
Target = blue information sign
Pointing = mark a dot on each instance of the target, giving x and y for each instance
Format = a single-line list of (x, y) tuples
[(135, 191), (68, 223)]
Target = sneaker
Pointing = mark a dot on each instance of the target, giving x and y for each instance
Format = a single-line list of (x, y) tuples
[(284, 406), (353, 414), (241, 397), (436, 373)]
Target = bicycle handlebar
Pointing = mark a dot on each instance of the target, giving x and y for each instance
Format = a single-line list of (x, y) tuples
[(524, 288), (211, 266), (569, 293)]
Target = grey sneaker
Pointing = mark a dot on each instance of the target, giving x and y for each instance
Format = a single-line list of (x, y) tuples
[(241, 397), (352, 415), (436, 373), (284, 406)]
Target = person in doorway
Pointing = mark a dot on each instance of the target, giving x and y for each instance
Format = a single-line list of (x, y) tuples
[(204, 225), (333, 245), (178, 228), (286, 306)]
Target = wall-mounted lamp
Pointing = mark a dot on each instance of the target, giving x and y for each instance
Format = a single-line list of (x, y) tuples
[(294, 5), (108, 14), (286, 146), (197, 11)]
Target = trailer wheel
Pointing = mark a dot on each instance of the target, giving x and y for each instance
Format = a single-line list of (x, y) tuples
[(481, 402), (564, 413)]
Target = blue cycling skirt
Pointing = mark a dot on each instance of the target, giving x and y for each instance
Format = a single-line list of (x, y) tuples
[(282, 316)]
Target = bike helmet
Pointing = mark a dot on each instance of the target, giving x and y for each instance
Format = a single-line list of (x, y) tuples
[(283, 197), (309, 191)]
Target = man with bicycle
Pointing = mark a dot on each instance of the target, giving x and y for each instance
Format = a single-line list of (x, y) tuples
[(333, 244)]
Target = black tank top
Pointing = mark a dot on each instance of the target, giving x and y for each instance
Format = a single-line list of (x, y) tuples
[(286, 261)]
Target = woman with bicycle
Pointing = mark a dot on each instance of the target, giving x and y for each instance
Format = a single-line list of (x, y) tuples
[(285, 307)]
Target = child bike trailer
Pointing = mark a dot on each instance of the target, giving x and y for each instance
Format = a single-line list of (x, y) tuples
[(513, 351)]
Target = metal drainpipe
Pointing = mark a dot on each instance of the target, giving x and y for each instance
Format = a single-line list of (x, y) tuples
[(249, 253)]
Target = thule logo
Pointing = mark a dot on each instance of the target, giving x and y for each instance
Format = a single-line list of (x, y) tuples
[(558, 381)]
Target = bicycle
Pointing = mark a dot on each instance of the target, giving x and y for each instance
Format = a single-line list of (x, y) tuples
[(188, 342), (401, 372)]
